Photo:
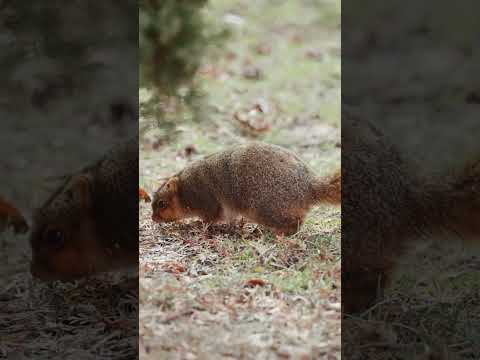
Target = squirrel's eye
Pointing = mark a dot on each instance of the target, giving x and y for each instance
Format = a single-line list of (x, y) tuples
[(55, 238), (161, 204)]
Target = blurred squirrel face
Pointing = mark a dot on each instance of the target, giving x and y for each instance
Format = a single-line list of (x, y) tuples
[(165, 206), (64, 240)]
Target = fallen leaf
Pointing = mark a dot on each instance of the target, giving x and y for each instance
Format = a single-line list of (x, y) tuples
[(263, 49), (142, 195), (315, 54), (251, 122), (252, 72), (255, 282), (174, 267), (297, 39), (11, 217)]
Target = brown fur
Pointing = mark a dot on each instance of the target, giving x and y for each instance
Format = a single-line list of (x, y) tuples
[(96, 212), (387, 209), (264, 183)]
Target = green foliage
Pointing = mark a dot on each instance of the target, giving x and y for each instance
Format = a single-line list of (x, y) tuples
[(172, 39)]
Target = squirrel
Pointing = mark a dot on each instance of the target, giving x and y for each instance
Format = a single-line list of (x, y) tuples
[(266, 184), (388, 208), (90, 223), (11, 217)]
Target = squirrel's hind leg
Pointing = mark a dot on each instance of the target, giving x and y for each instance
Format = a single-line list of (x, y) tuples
[(286, 224)]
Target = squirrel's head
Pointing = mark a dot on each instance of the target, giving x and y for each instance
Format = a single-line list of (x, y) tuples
[(165, 205), (64, 239)]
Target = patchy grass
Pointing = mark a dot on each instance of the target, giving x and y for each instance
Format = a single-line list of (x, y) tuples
[(195, 295), (230, 291)]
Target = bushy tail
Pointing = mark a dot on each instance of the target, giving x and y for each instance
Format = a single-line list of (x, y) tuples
[(329, 189)]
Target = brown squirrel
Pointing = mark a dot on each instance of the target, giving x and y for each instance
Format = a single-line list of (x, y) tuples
[(387, 208), (90, 223), (264, 183)]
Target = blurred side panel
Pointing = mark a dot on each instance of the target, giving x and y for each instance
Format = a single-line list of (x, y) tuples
[(69, 179), (411, 180)]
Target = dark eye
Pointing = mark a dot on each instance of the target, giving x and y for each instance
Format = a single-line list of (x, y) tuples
[(161, 204), (55, 238)]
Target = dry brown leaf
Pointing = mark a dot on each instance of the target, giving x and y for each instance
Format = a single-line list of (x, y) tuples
[(315, 54), (174, 267), (263, 49), (10, 216), (142, 195), (252, 72), (252, 124), (255, 282)]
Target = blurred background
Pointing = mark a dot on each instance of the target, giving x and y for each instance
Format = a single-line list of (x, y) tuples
[(410, 68)]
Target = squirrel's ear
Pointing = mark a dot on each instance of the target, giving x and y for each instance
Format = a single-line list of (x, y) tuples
[(81, 190), (172, 184)]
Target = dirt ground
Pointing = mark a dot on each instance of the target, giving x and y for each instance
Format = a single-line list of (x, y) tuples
[(196, 295)]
